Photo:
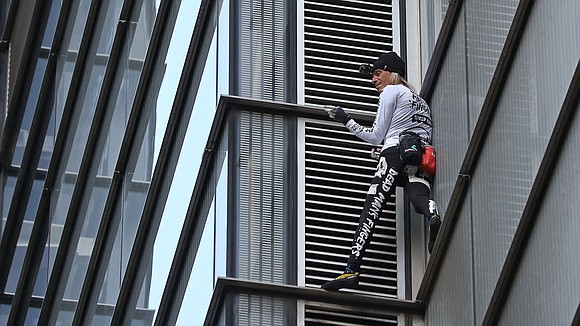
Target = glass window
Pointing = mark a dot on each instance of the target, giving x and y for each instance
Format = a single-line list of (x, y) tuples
[(29, 112), (193, 146)]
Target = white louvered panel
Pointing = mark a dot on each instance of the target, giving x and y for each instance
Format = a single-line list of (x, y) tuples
[(338, 315), (262, 49), (260, 241), (337, 174), (259, 310), (339, 35), (261, 226)]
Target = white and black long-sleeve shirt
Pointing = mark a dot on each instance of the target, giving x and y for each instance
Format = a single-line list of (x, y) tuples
[(399, 110)]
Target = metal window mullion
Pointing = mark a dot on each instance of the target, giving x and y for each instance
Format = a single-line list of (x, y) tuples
[(15, 114), (146, 93), (190, 237), (28, 173), (24, 183), (105, 108), (91, 158), (67, 128), (478, 139), (9, 23), (534, 203), (165, 169), (441, 47), (576, 320), (32, 152)]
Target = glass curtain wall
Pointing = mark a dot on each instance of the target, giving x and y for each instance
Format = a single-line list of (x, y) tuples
[(210, 258), (85, 98)]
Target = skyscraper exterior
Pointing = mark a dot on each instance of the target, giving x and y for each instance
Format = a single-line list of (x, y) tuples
[(92, 173), (71, 73)]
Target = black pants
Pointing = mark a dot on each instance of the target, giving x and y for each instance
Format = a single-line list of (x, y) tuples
[(390, 173)]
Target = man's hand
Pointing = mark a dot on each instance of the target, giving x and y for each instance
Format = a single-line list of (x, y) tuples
[(375, 153), (338, 114)]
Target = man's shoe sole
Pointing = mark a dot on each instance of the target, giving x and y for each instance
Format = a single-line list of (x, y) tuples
[(350, 282)]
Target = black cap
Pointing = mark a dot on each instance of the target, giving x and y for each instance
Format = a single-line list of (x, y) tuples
[(391, 62)]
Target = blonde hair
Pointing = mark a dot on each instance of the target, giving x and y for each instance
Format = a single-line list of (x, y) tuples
[(400, 80)]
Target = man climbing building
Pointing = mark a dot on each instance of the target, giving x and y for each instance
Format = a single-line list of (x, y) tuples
[(403, 126)]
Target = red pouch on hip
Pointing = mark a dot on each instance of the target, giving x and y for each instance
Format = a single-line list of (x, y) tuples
[(428, 164)]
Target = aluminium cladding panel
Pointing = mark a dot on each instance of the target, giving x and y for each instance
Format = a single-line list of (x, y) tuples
[(451, 301), (509, 159), (339, 35), (451, 132), (262, 64), (518, 136), (336, 171), (263, 231), (263, 310), (486, 29), (549, 269), (475, 47)]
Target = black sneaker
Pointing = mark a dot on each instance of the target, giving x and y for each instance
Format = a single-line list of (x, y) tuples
[(434, 225), (348, 279)]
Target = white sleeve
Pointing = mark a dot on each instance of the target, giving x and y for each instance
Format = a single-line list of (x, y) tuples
[(376, 134)]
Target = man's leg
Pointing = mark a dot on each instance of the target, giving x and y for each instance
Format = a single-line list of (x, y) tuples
[(382, 187), (419, 189)]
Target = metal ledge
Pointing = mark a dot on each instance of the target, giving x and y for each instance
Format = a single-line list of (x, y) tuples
[(226, 286)]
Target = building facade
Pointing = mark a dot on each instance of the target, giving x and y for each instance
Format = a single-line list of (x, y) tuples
[(71, 73), (108, 220)]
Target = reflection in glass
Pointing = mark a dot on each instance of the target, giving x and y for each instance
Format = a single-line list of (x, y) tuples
[(24, 239), (7, 193), (187, 166), (29, 112)]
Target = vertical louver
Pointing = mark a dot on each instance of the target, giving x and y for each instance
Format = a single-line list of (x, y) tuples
[(337, 172), (261, 225), (339, 35), (261, 234), (262, 65)]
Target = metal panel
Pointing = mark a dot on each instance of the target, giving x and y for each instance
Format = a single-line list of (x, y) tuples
[(261, 236), (450, 293), (262, 67), (369, 310), (547, 234), (260, 242), (339, 35), (488, 23), (339, 315), (451, 301), (450, 117), (524, 119), (452, 10)]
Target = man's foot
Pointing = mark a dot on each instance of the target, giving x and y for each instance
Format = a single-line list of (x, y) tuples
[(434, 225), (349, 279)]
